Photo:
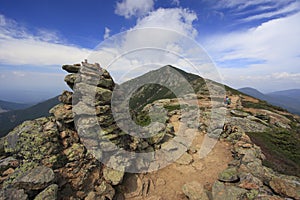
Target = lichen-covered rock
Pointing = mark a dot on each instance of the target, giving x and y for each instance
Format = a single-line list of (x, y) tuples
[(220, 191), (63, 112), (35, 179), (246, 124), (36, 141), (285, 187), (13, 194), (66, 97), (229, 175), (113, 176), (50, 193), (75, 152), (194, 191)]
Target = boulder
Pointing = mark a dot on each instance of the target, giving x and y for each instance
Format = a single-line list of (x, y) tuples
[(66, 97), (229, 175), (285, 187), (35, 140), (7, 163), (246, 124), (71, 68), (115, 177), (35, 179), (220, 191), (13, 194), (62, 112), (50, 193)]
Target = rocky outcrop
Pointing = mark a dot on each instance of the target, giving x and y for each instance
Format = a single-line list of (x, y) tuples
[(46, 159), (57, 157), (246, 177)]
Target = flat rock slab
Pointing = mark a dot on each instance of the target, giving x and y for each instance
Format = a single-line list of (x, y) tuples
[(246, 124), (35, 179)]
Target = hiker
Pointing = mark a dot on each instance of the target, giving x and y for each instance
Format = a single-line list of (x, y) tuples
[(227, 101)]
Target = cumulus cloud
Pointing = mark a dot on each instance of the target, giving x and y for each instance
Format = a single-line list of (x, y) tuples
[(130, 8), (271, 51), (177, 19), (164, 36), (18, 46)]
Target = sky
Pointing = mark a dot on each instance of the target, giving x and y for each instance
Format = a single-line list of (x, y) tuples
[(252, 43)]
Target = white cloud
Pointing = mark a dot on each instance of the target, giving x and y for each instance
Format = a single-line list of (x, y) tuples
[(269, 53), (177, 19), (176, 2), (164, 36), (293, 7), (106, 33), (130, 8), (18, 46)]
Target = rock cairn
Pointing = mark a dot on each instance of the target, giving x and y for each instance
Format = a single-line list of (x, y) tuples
[(46, 159)]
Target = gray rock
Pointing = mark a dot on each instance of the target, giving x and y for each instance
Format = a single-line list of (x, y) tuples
[(246, 124), (220, 191), (6, 163), (252, 118), (13, 194), (71, 68), (35, 179), (215, 133), (50, 193), (70, 80), (229, 175)]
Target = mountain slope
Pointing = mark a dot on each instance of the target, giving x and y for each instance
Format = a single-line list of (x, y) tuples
[(293, 93), (289, 99), (280, 123), (9, 120), (8, 106)]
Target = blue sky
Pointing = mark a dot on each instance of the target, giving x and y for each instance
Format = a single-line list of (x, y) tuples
[(253, 43)]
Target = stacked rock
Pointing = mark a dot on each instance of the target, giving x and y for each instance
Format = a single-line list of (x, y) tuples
[(53, 145)]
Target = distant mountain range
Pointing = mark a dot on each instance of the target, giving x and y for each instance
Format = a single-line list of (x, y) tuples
[(8, 106), (287, 99), (10, 119)]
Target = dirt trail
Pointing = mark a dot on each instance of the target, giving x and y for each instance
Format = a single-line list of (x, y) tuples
[(167, 183)]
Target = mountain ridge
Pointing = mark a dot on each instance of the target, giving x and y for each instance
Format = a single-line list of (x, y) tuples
[(10, 119), (54, 156), (281, 98)]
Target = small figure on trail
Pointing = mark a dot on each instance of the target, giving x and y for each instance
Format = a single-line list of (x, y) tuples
[(227, 101)]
